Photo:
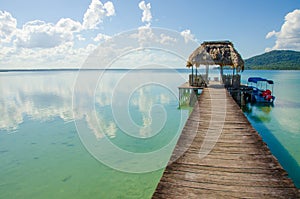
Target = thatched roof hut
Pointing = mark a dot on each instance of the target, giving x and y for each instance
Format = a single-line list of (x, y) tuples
[(220, 53)]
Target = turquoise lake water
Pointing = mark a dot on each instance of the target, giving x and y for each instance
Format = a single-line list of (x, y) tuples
[(62, 137), (279, 124)]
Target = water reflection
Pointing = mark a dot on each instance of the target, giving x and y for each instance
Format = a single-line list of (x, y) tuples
[(38, 106), (133, 115), (142, 104), (281, 127), (260, 113), (121, 113), (46, 96), (36, 96)]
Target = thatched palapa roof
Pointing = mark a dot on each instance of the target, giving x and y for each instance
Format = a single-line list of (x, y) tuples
[(220, 53)]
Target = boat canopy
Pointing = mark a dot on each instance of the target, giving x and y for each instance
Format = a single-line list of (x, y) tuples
[(257, 79)]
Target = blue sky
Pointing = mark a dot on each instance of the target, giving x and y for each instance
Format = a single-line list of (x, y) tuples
[(36, 32)]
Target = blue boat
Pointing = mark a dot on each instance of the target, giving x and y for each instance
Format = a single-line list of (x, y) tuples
[(261, 92)]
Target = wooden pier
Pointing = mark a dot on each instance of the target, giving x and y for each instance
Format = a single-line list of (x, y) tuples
[(223, 156)]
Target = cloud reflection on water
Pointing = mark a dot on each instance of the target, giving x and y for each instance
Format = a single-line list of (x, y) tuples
[(35, 96), (48, 96)]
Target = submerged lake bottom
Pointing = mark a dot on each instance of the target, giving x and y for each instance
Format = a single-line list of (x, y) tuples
[(53, 163), (44, 152)]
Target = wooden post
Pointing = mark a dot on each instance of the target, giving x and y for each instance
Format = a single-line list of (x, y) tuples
[(192, 81), (179, 97), (196, 73), (221, 71), (233, 72)]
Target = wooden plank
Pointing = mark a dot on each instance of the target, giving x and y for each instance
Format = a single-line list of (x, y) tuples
[(236, 162)]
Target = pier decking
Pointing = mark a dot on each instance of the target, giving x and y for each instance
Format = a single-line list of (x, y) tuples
[(224, 156)]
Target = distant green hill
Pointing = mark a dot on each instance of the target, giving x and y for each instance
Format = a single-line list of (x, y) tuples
[(275, 60)]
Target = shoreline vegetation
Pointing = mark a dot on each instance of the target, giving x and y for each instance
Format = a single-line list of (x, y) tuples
[(274, 60)]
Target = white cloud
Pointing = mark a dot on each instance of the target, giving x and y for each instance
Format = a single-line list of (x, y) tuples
[(166, 39), (289, 35), (63, 56), (268, 49), (270, 34), (96, 13), (110, 9), (8, 25), (80, 38), (101, 37), (39, 34), (146, 8), (187, 35), (145, 36), (67, 24), (4, 50), (50, 45)]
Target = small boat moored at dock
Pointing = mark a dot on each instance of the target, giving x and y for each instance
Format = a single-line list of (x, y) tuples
[(261, 92)]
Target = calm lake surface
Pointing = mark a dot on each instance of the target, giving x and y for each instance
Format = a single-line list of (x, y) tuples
[(45, 154), (61, 137), (279, 124)]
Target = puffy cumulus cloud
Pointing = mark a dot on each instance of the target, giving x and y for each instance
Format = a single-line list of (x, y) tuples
[(270, 34), (63, 56), (145, 36), (187, 35), (7, 50), (39, 34), (96, 13), (146, 8), (166, 39), (110, 9), (67, 24), (101, 37), (289, 35), (51, 45), (8, 26)]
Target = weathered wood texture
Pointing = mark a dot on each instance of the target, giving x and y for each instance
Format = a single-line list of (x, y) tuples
[(223, 156)]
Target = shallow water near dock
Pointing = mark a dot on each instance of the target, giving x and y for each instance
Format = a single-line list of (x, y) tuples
[(43, 155), (279, 124)]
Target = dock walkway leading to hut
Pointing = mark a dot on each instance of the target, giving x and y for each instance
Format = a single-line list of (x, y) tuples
[(224, 156)]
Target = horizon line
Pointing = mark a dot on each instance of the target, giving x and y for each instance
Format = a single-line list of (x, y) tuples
[(85, 69)]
